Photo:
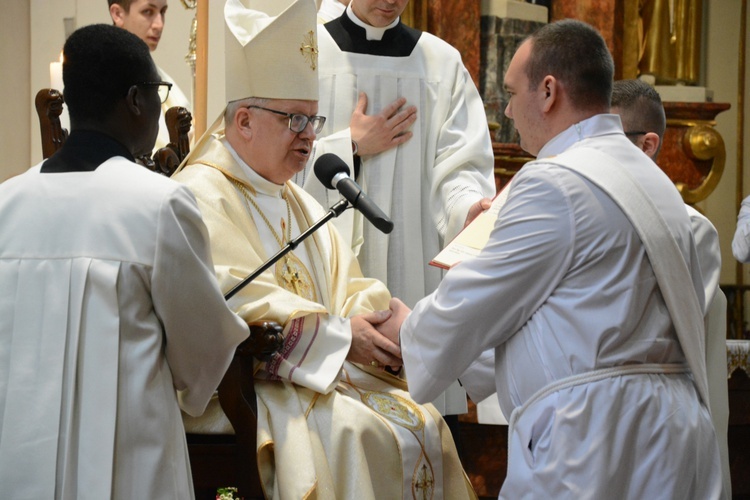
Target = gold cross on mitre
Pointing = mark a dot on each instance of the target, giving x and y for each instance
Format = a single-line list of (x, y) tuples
[(309, 50)]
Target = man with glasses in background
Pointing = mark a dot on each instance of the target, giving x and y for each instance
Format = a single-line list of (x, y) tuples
[(332, 423), (146, 19)]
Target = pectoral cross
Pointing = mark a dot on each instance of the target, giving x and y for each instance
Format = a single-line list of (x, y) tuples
[(309, 50), (291, 277)]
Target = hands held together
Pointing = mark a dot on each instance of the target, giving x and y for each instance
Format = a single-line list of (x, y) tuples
[(375, 338)]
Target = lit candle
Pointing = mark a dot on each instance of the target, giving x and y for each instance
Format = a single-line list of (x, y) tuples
[(55, 74), (56, 82)]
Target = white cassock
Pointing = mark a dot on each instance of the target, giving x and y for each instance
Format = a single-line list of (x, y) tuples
[(564, 288), (326, 426), (109, 303), (426, 185)]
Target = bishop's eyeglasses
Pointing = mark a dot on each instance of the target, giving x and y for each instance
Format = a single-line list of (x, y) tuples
[(298, 122), (162, 87)]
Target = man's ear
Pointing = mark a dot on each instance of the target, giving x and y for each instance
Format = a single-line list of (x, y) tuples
[(650, 144), (134, 100), (550, 89), (242, 123), (117, 13)]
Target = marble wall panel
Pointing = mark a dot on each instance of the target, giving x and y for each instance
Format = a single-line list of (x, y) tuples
[(499, 40)]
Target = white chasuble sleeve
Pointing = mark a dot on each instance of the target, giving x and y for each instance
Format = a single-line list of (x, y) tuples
[(315, 347)]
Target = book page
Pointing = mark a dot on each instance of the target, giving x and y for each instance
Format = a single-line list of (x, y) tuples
[(474, 237)]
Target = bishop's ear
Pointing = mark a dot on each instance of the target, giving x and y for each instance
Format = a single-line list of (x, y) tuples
[(243, 122)]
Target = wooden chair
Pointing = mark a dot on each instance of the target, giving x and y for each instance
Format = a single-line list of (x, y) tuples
[(216, 460), (49, 107), (231, 459)]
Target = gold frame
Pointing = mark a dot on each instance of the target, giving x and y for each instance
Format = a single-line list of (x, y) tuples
[(416, 14)]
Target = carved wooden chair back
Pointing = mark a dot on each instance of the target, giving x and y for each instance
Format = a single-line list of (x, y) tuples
[(49, 107)]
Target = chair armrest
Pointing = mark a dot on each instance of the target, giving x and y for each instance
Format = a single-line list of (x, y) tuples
[(264, 341)]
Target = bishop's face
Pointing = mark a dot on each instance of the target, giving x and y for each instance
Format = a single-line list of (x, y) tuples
[(144, 18), (276, 152), (378, 13)]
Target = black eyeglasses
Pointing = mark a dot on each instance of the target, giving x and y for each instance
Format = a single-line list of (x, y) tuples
[(635, 133), (298, 122), (162, 87)]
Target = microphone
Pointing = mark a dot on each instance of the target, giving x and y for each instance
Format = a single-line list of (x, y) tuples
[(333, 173)]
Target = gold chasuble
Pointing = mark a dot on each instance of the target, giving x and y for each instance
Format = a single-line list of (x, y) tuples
[(327, 428)]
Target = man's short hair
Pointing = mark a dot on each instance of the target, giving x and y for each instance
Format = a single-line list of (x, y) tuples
[(576, 55), (639, 106), (125, 4), (100, 63), (235, 106)]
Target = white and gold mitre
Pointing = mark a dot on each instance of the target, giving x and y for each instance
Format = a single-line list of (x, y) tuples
[(271, 49)]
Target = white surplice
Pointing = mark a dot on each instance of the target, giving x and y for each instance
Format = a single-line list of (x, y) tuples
[(564, 287), (110, 315), (425, 185)]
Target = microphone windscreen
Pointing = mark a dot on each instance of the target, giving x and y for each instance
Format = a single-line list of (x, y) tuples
[(327, 166)]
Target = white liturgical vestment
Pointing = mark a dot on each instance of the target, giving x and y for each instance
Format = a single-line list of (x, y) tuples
[(564, 288), (111, 320)]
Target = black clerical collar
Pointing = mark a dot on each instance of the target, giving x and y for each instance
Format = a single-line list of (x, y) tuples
[(84, 151), (398, 41)]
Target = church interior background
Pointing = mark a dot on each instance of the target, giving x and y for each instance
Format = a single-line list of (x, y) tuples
[(33, 32)]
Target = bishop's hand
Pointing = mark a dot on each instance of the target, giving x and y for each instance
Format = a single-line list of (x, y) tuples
[(392, 326), (369, 346)]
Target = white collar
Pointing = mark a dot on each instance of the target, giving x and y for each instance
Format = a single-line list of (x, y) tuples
[(372, 33), (597, 125)]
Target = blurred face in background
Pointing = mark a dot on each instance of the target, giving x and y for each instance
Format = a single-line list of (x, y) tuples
[(143, 18), (378, 13)]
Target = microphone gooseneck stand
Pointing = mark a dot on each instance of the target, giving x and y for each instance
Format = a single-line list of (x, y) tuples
[(334, 211)]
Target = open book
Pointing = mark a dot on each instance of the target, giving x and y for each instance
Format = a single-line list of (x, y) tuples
[(472, 239)]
